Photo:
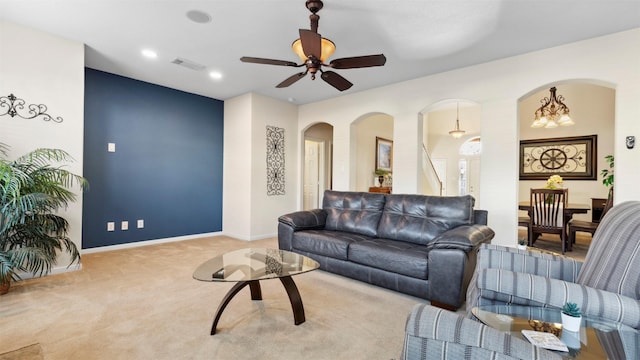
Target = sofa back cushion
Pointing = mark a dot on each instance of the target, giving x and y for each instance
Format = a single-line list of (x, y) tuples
[(355, 212), (419, 219)]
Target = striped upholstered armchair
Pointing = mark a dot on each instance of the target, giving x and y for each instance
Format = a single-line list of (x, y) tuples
[(606, 285)]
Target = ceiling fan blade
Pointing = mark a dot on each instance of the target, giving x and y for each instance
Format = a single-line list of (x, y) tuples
[(256, 60), (311, 43), (336, 80), (291, 79), (358, 62)]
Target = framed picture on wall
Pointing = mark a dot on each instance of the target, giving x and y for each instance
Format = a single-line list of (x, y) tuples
[(573, 158), (384, 154)]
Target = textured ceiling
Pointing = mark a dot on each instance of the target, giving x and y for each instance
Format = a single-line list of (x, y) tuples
[(418, 38)]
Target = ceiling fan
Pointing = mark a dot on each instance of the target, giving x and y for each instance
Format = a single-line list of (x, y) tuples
[(314, 50)]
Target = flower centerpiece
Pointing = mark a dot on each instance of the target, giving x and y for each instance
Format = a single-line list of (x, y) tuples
[(554, 182)]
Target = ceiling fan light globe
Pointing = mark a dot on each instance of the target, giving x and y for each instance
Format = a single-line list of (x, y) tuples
[(327, 46)]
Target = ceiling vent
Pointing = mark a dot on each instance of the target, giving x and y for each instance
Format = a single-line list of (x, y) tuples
[(188, 64)]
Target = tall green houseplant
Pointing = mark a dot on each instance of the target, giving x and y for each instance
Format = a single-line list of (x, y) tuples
[(32, 190)]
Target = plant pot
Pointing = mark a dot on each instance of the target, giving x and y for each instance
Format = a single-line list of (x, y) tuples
[(571, 339), (571, 323), (522, 247)]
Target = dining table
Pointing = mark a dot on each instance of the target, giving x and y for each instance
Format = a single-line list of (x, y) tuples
[(570, 210)]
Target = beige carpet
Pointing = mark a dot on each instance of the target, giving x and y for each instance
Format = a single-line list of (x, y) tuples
[(142, 303), (31, 352)]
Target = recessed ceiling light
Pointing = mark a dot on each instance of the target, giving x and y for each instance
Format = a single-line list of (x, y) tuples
[(149, 54), (216, 75), (198, 16)]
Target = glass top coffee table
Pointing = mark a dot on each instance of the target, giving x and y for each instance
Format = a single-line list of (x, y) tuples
[(597, 338), (248, 267)]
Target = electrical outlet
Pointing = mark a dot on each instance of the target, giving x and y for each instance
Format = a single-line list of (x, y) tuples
[(111, 147), (124, 225), (111, 226), (140, 224)]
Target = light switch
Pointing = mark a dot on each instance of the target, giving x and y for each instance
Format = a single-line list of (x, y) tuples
[(124, 225), (111, 147)]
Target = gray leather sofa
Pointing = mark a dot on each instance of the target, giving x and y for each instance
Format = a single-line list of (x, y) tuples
[(420, 245)]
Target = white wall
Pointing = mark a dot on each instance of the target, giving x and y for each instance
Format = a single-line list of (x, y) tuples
[(248, 212), (496, 86), (44, 69), (237, 167)]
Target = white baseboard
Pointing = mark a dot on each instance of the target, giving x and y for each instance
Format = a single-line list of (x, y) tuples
[(55, 270), (148, 242), (75, 267), (251, 238)]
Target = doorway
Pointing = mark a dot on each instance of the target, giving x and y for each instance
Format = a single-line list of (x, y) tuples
[(313, 173), (317, 164)]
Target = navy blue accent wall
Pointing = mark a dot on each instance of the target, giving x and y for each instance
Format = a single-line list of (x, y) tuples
[(167, 167)]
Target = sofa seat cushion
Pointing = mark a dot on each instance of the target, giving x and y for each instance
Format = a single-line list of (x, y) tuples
[(396, 256), (328, 243)]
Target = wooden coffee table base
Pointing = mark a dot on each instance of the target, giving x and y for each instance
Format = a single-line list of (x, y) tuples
[(256, 294)]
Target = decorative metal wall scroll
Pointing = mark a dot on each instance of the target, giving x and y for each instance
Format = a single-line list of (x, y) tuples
[(15, 107), (275, 160), (573, 158)]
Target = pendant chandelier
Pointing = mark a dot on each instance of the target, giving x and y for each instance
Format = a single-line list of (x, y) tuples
[(457, 133), (552, 113)]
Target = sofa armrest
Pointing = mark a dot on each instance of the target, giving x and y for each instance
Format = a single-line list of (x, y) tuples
[(465, 238), (304, 220), (480, 217), (301, 220)]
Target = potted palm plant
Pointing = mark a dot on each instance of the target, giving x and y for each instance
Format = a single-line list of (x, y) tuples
[(32, 190)]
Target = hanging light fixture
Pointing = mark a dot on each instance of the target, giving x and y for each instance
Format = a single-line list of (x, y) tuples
[(457, 133), (327, 49), (327, 46), (553, 112)]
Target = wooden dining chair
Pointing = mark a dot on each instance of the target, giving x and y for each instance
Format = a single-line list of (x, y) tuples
[(547, 215), (587, 226)]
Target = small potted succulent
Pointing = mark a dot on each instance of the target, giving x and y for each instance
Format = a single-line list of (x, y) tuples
[(571, 317), (522, 243)]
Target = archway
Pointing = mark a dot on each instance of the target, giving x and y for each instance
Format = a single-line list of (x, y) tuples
[(441, 151), (592, 109)]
